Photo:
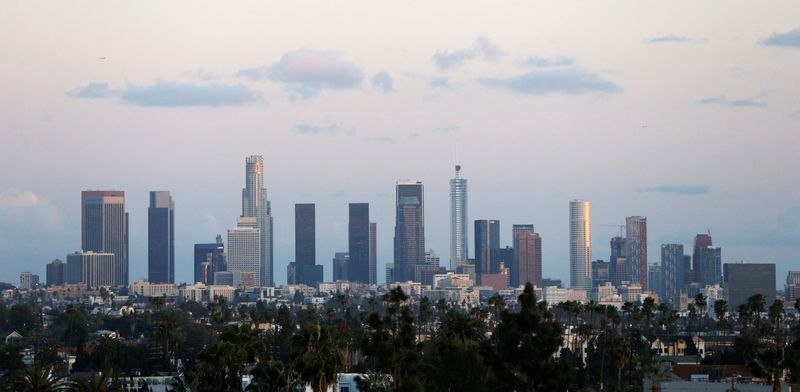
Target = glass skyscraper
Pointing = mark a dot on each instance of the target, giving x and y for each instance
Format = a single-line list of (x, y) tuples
[(161, 238), (409, 229), (458, 220), (358, 238), (580, 244), (104, 229)]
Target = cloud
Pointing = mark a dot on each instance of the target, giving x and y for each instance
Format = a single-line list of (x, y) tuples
[(27, 211), (543, 62), (790, 39), (92, 91), (669, 38), (172, 94), (309, 129), (572, 80), (383, 82), (481, 48), (445, 129), (782, 231), (677, 189), (737, 103), (442, 83), (306, 72)]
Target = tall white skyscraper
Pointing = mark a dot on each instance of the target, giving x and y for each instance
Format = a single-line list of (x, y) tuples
[(244, 248), (256, 204), (580, 244), (458, 220)]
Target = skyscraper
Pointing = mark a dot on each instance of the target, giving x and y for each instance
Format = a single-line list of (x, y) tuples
[(636, 241), (672, 268), (458, 220), (305, 251), (655, 279), (580, 244), (409, 229), (104, 229), (701, 241), (244, 249), (743, 280), (373, 253), (527, 266), (56, 273), (358, 239), (256, 204), (340, 266), (708, 266), (487, 242), (95, 269), (161, 238), (209, 259)]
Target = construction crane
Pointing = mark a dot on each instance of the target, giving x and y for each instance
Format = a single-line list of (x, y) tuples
[(621, 227)]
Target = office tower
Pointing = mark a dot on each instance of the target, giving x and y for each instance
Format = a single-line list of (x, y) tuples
[(655, 280), (161, 238), (256, 204), (340, 266), (619, 270), (305, 251), (27, 280), (373, 253), (409, 229), (708, 266), (458, 220), (527, 261), (600, 273), (792, 288), (358, 239), (743, 280), (672, 267), (244, 248), (636, 241), (701, 241), (390, 273), (104, 228), (56, 273), (209, 259), (93, 269), (487, 241), (580, 244)]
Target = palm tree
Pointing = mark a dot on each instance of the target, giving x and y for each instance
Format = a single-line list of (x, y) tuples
[(318, 357), (37, 379), (374, 382), (701, 303)]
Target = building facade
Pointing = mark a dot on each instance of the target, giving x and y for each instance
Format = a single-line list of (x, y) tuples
[(409, 230), (104, 228), (208, 259), (487, 242), (358, 238), (161, 238), (743, 280), (636, 242), (458, 220), (580, 244), (527, 260), (56, 273), (256, 204), (672, 269), (93, 269), (244, 248)]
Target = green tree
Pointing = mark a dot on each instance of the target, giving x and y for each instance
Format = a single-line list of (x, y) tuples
[(317, 356), (36, 379)]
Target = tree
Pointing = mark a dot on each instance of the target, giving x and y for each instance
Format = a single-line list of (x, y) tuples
[(525, 346), (317, 357), (271, 376), (374, 382), (36, 379), (721, 312), (99, 382)]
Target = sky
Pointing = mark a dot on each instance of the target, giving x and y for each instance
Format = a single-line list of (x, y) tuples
[(685, 112)]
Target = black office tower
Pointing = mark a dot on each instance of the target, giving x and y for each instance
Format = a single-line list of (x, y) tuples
[(409, 230), (358, 239), (487, 242), (305, 244), (161, 238)]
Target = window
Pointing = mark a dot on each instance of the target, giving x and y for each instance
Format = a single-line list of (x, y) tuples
[(344, 389)]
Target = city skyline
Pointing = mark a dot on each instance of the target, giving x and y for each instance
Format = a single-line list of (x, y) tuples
[(550, 105)]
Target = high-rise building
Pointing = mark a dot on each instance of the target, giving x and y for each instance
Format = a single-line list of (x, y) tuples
[(256, 204), (340, 266), (409, 229), (244, 248), (390, 273), (458, 220), (56, 273), (743, 280), (580, 244), (104, 229), (487, 241), (708, 266), (161, 238), (527, 260), (672, 268), (306, 269), (373, 253), (358, 239), (619, 270), (792, 288), (93, 269), (701, 241), (28, 281), (209, 259), (636, 241), (655, 280), (601, 273)]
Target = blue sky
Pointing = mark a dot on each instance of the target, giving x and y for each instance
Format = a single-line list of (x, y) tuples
[(644, 108)]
